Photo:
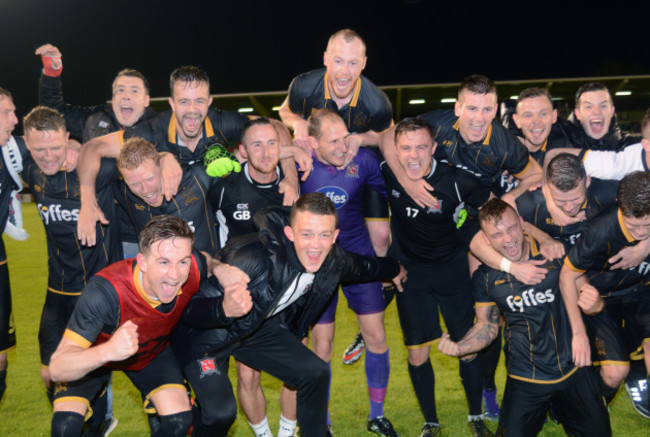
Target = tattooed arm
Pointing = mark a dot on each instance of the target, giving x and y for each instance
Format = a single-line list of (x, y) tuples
[(479, 336)]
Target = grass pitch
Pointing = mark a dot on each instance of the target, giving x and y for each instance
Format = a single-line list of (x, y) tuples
[(25, 411)]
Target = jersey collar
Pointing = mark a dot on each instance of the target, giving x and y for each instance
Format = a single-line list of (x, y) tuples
[(621, 223), (172, 131), (355, 93), (486, 140)]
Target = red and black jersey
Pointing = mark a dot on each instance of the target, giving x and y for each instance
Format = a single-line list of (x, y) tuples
[(369, 109), (116, 295)]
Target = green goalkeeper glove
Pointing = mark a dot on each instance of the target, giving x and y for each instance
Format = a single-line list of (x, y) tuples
[(219, 162)]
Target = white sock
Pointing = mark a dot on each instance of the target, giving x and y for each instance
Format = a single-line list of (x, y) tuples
[(476, 417), (287, 427), (262, 429)]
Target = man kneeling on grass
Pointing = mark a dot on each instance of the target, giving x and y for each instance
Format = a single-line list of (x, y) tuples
[(541, 372)]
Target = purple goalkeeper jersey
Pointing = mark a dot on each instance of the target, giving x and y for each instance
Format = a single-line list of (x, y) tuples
[(345, 190)]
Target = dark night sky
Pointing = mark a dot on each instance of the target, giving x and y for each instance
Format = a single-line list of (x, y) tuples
[(251, 45)]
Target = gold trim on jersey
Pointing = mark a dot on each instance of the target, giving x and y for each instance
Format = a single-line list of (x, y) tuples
[(65, 293), (530, 163), (8, 349), (611, 363), (172, 131), (627, 234), (534, 249), (120, 137), (484, 304), (355, 94), (486, 141), (81, 341), (567, 262), (139, 288), (537, 381), (543, 148), (3, 262)]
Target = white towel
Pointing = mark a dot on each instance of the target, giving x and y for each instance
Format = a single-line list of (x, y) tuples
[(14, 162)]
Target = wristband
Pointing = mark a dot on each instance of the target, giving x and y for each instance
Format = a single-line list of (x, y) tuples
[(505, 265), (52, 65)]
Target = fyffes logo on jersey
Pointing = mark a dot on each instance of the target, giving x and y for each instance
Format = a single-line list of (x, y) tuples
[(54, 213), (529, 298), (337, 195)]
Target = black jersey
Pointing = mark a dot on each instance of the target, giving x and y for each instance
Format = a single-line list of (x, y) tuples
[(425, 235), (559, 137), (83, 122), (57, 198), (614, 139), (192, 202), (368, 110), (537, 333), (219, 126), (238, 197), (603, 238), (531, 205), (486, 159)]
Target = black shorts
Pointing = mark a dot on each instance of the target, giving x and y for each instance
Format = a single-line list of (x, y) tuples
[(57, 310), (163, 372), (7, 327), (576, 402), (620, 329), (442, 286)]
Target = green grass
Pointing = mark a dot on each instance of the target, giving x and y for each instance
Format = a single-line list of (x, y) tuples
[(25, 411)]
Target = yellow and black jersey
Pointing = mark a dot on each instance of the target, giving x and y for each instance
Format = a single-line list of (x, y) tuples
[(537, 333), (601, 195), (487, 158), (430, 234), (57, 198), (219, 126), (192, 202), (369, 109), (603, 238)]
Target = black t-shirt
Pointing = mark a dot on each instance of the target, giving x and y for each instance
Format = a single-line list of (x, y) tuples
[(537, 332), (192, 202), (425, 235), (603, 238), (57, 199), (238, 197), (531, 205), (369, 109), (222, 127), (487, 158)]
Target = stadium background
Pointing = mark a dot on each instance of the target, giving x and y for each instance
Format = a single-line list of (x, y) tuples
[(417, 49)]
